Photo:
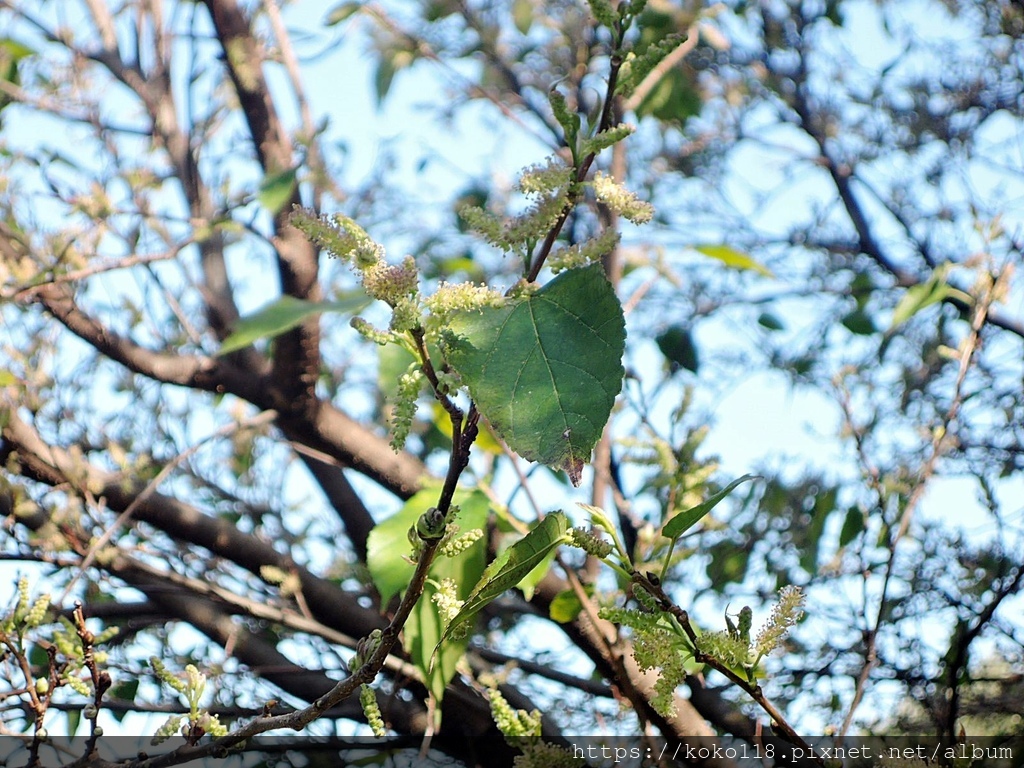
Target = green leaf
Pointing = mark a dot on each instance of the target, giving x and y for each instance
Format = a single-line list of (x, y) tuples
[(859, 322), (14, 50), (340, 12), (545, 368), (565, 607), (923, 295), (435, 655), (392, 361), (733, 258), (382, 78), (11, 53), (511, 566), (528, 584), (276, 190), (727, 565), (284, 314), (673, 99), (824, 504), (522, 15), (37, 656), (388, 545), (853, 524), (422, 634), (676, 344), (683, 521), (125, 691), (770, 322), (74, 719)]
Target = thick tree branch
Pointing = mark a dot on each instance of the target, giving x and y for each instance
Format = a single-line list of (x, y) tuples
[(297, 355), (321, 427), (468, 727)]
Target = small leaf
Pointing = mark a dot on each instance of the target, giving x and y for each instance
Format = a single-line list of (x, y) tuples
[(853, 524), (382, 78), (284, 314), (37, 656), (511, 566), (859, 322), (733, 258), (340, 12), (676, 344), (486, 441), (824, 504), (727, 565), (923, 295), (546, 367), (528, 584), (74, 719), (422, 634), (770, 322), (522, 15), (276, 190), (565, 607), (683, 521)]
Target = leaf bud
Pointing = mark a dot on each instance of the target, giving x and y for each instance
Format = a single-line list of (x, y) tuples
[(431, 525)]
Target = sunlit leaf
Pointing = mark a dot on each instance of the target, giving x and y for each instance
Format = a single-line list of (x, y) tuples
[(284, 314), (509, 568), (545, 368), (923, 295), (522, 15), (733, 258), (340, 12), (486, 441), (74, 719), (387, 549), (683, 521), (565, 607)]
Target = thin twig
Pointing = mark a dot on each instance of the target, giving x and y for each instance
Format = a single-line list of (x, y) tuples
[(261, 419)]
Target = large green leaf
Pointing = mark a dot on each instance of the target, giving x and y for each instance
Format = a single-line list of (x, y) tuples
[(511, 567), (386, 551), (545, 368), (387, 547), (282, 315)]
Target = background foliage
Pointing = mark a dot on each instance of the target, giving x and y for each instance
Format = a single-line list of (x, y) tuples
[(838, 195)]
